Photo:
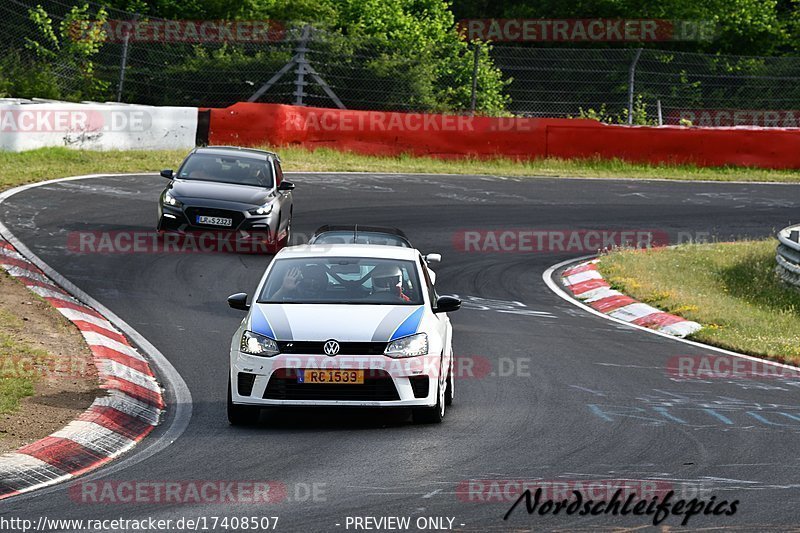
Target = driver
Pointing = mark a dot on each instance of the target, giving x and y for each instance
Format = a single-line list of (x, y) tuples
[(304, 283), (206, 171), (387, 284)]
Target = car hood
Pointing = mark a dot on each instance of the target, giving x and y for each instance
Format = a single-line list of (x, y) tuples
[(321, 322), (226, 192)]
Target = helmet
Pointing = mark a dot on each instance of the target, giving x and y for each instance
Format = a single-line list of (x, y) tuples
[(386, 277)]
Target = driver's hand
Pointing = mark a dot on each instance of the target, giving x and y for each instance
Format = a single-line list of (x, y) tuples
[(292, 279)]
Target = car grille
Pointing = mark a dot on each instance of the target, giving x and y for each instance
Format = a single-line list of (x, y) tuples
[(193, 212), (378, 386), (345, 348)]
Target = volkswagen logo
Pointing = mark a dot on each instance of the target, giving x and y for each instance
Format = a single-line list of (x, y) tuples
[(331, 348)]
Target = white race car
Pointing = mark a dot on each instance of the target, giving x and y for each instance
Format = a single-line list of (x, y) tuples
[(343, 325)]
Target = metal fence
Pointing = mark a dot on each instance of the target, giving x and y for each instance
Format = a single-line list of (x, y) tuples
[(310, 66)]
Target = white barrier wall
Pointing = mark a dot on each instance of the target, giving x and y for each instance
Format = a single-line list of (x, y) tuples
[(95, 126)]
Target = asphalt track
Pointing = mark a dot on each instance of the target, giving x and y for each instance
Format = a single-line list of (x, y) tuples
[(598, 403)]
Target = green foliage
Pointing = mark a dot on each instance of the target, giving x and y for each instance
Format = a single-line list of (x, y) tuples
[(70, 47), (22, 77), (404, 53), (747, 27), (640, 116)]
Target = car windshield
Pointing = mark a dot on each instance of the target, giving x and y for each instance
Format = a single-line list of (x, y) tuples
[(227, 169), (362, 237), (342, 280)]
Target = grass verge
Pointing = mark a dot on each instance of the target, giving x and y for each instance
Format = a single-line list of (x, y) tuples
[(47, 376), (730, 288), (36, 165)]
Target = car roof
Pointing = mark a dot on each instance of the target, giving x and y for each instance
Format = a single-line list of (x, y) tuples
[(349, 250), (252, 153), (360, 227)]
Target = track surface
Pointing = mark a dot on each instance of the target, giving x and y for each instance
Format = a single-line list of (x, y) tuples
[(735, 438)]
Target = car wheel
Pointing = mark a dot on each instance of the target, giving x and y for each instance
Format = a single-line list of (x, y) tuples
[(287, 241), (241, 415), (277, 245), (431, 415), (450, 392)]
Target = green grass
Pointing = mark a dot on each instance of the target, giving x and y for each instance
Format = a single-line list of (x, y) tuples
[(16, 380), (729, 288), (37, 165)]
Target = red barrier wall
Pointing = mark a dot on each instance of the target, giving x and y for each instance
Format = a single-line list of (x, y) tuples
[(450, 136)]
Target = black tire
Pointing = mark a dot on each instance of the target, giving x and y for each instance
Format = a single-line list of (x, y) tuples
[(450, 392), (277, 245), (287, 241), (431, 415), (241, 415)]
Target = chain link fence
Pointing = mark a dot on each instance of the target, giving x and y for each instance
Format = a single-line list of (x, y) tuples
[(310, 66)]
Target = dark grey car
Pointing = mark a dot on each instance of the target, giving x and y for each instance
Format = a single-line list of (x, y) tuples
[(229, 190)]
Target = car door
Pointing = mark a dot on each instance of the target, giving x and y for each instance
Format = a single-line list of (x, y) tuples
[(442, 323), (283, 198)]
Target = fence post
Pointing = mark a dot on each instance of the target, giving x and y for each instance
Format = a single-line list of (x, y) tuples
[(124, 61), (631, 76), (660, 116), (475, 60), (300, 59)]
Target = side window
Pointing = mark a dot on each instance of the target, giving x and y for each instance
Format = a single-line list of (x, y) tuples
[(429, 286), (278, 173)]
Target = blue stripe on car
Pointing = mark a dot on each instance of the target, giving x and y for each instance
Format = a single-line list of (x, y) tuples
[(409, 325), (259, 324)]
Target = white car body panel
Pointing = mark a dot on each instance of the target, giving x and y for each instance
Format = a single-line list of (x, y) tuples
[(346, 323)]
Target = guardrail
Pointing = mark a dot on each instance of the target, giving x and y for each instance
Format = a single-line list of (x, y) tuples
[(788, 255)]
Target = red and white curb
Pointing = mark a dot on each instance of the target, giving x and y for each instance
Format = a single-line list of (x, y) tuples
[(113, 424), (586, 283)]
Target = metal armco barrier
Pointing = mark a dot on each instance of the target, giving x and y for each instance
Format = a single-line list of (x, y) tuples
[(788, 255)]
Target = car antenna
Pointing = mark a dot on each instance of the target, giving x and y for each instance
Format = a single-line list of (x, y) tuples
[(355, 233)]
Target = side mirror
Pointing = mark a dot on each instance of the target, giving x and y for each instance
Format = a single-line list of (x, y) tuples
[(167, 173), (286, 186), (447, 304), (238, 301), (433, 259)]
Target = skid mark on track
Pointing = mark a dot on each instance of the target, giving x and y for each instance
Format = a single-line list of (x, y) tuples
[(477, 303)]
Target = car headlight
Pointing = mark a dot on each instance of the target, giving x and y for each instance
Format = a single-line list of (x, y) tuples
[(171, 200), (410, 346), (263, 210), (256, 344)]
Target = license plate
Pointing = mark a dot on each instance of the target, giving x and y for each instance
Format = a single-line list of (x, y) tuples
[(336, 377), (215, 221)]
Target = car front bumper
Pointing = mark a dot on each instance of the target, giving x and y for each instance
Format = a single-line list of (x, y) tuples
[(272, 381)]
